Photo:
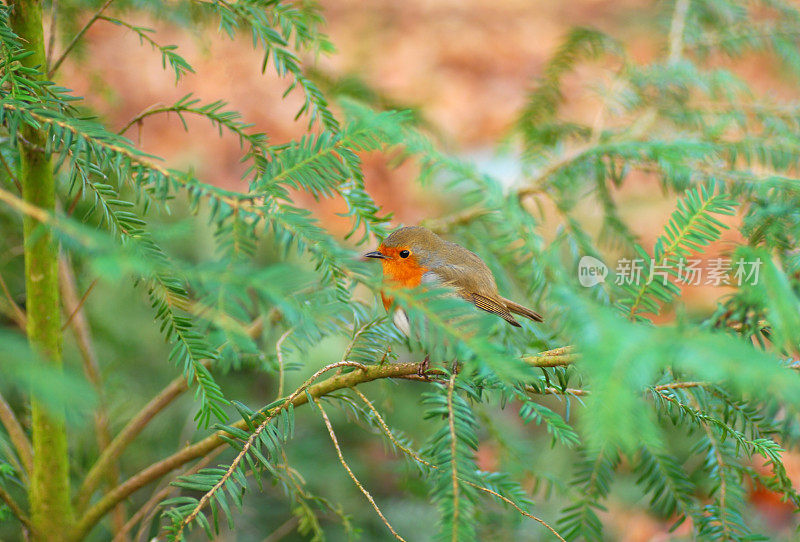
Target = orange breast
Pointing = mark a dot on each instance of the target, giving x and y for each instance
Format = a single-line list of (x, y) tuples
[(404, 272)]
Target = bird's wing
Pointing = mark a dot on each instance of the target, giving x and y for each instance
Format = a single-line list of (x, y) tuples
[(495, 307), (466, 279), (467, 284), (522, 310)]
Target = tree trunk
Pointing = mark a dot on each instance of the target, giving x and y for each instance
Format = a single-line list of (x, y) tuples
[(51, 514)]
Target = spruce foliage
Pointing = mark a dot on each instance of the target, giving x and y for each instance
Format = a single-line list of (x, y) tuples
[(693, 410)]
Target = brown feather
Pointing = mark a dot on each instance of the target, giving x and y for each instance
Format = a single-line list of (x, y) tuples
[(490, 305), (516, 308)]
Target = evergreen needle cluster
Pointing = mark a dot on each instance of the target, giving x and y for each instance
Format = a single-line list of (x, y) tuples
[(692, 411)]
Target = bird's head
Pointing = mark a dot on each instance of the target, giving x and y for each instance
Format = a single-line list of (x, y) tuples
[(408, 253)]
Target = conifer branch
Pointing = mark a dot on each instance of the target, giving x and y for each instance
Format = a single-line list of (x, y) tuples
[(563, 355), (254, 435), (416, 457), (723, 483), (211, 111), (549, 390)]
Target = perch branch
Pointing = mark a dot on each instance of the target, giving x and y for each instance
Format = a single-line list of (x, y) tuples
[(556, 357)]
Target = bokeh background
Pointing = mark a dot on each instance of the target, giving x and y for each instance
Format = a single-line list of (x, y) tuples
[(464, 67)]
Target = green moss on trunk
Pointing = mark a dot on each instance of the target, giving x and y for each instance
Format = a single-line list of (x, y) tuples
[(51, 513)]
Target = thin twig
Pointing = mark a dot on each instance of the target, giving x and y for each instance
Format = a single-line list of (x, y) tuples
[(464, 217), (77, 38), (281, 373), (17, 435), (51, 43), (10, 456), (80, 303), (5, 496), (676, 30), (19, 315), (285, 528), (520, 510), (350, 472), (453, 449), (680, 385), (549, 390), (151, 110), (10, 173), (388, 432), (109, 454), (75, 200), (356, 334)]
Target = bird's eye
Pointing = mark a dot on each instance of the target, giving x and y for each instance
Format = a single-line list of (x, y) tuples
[(404, 254)]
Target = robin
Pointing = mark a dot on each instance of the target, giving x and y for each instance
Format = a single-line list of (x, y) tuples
[(415, 255)]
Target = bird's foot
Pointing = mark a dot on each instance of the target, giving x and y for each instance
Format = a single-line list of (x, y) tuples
[(424, 366), (455, 367)]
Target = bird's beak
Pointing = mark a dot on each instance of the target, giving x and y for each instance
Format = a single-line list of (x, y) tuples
[(376, 254)]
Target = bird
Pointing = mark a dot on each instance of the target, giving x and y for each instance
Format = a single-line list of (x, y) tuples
[(413, 255)]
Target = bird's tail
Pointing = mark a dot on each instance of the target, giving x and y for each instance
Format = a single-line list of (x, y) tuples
[(516, 308)]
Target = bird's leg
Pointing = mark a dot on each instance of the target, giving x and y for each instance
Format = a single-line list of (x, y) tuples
[(424, 366), (385, 355)]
